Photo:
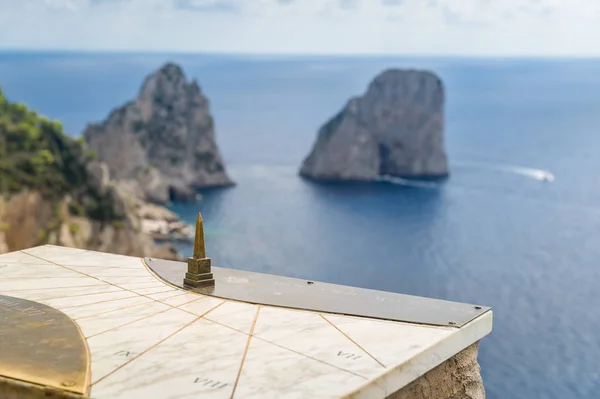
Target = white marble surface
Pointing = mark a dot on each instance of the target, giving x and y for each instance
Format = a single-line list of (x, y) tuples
[(271, 371), (149, 339), (201, 306), (37, 270), (90, 299), (290, 328), (156, 290), (61, 292), (236, 315), (25, 283), (94, 310), (116, 347), (123, 281), (179, 299), (20, 257), (144, 284), (103, 322), (188, 364), (167, 295), (375, 336)]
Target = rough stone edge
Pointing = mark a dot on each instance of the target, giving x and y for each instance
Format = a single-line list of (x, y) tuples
[(457, 378)]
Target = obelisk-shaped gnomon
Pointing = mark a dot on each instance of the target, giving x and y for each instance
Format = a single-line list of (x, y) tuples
[(199, 266)]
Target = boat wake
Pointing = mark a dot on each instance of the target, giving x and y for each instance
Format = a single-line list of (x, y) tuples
[(537, 174), (532, 173), (409, 182)]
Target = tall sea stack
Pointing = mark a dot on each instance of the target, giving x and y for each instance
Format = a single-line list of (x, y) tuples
[(163, 141), (394, 129)]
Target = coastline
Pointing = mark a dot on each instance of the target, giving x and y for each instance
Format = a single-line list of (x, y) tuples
[(163, 225)]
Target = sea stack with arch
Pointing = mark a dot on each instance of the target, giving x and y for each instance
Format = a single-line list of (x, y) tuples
[(163, 142)]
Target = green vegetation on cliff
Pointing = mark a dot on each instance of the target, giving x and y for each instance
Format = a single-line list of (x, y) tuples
[(36, 154)]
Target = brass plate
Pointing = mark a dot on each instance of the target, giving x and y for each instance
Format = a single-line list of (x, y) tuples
[(266, 289), (41, 345)]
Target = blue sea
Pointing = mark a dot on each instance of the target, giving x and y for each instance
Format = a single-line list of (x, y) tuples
[(498, 232)]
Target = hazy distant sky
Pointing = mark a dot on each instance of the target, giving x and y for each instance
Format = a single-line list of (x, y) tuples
[(461, 27)]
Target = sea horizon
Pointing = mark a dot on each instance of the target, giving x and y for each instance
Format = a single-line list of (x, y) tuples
[(279, 54)]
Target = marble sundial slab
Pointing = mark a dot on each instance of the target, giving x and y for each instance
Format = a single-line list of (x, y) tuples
[(266, 289), (118, 330)]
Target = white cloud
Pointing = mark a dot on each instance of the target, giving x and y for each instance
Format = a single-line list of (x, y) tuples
[(462, 27)]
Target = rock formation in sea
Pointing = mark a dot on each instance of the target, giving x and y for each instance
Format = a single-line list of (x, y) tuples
[(394, 129), (164, 140)]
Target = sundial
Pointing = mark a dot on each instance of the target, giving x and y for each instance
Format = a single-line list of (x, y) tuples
[(84, 324)]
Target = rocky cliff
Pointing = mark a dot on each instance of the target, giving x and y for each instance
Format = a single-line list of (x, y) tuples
[(164, 140), (53, 191), (29, 218), (394, 129)]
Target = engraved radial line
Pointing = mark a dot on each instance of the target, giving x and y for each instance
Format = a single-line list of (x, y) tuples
[(114, 310), (194, 300), (291, 350), (176, 295), (231, 328), (159, 342), (351, 340), (150, 293), (109, 283), (29, 277), (54, 288), (128, 323), (245, 352), (310, 357), (78, 295), (122, 276), (12, 262), (107, 267), (95, 303), (25, 253), (183, 304)]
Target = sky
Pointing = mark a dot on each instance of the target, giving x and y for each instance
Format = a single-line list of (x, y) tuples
[(547, 28)]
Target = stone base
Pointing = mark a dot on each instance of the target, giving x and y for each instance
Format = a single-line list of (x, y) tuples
[(193, 281), (456, 378)]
